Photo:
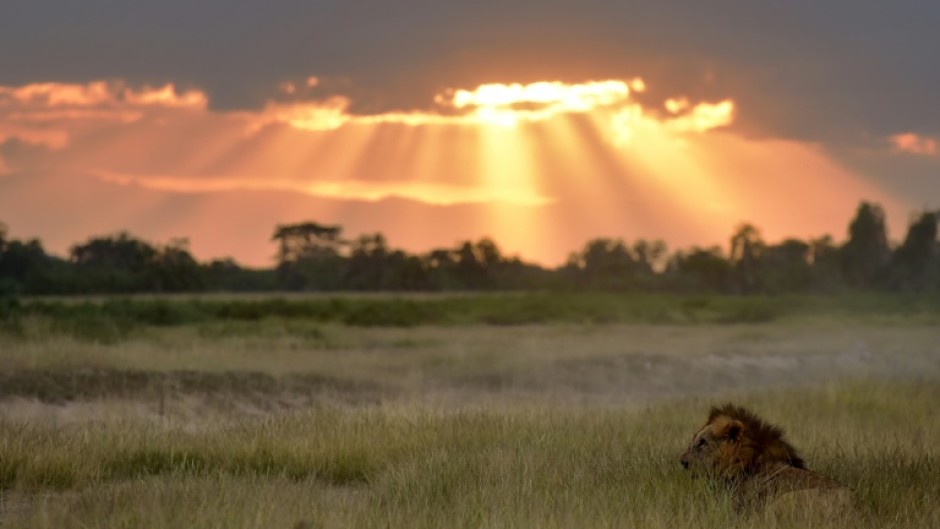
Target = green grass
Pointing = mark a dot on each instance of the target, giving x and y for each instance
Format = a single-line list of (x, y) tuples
[(113, 320), (417, 467)]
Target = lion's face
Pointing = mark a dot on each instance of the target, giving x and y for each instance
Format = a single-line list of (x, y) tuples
[(714, 449)]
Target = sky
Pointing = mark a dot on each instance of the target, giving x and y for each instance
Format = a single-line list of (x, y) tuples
[(539, 124)]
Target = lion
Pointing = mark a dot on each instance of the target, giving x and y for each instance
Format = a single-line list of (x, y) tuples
[(763, 471)]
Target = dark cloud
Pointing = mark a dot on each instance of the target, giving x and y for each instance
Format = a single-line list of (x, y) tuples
[(839, 71)]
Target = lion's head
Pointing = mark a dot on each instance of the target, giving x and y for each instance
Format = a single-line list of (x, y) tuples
[(735, 444)]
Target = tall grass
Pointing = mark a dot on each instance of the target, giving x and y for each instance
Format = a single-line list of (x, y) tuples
[(414, 466)]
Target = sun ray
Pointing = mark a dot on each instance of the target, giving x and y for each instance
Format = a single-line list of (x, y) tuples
[(541, 166)]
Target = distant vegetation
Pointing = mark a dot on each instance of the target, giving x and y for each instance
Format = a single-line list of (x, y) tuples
[(316, 257)]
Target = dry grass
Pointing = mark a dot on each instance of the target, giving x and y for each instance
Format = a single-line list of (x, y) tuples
[(279, 422), (405, 466)]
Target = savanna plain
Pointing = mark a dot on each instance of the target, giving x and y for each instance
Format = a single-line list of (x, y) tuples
[(496, 410)]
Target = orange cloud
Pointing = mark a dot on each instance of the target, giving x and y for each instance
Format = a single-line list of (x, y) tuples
[(576, 97), (911, 143), (97, 94), (56, 94), (506, 104), (632, 120), (440, 194), (676, 105), (542, 166), (494, 104), (703, 117), (166, 96), (50, 113), (51, 138), (330, 114)]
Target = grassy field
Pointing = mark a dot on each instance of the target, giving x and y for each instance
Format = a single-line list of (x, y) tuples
[(227, 412)]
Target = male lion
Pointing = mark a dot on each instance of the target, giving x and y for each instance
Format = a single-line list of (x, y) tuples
[(762, 470)]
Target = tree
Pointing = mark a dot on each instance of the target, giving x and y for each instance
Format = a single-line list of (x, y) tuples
[(785, 267), (825, 264), (23, 264), (915, 259), (866, 254), (374, 266), (650, 255), (700, 269), (121, 251), (175, 269), (476, 265), (309, 256), (607, 263), (368, 264), (747, 248), (116, 263)]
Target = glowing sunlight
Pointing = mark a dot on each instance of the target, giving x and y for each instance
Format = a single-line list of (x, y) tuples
[(545, 165)]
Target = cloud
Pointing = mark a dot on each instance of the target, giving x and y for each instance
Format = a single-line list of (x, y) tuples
[(439, 194), (912, 143), (703, 117), (504, 104), (49, 114), (99, 94), (543, 166), (170, 140), (684, 118), (330, 114), (676, 105)]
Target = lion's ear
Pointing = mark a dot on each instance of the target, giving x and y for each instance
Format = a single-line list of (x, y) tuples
[(735, 428)]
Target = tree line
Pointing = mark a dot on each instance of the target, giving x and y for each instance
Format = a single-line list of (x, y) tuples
[(317, 257)]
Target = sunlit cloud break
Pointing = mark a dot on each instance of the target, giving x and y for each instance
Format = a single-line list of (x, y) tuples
[(632, 120), (914, 144), (498, 104), (297, 145), (509, 103)]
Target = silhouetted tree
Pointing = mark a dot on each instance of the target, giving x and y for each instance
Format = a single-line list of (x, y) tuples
[(747, 248), (826, 264), (227, 275), (700, 269), (866, 254), (785, 267), (120, 251), (914, 262), (368, 263), (309, 256), (23, 265), (650, 256), (116, 263), (606, 263), (374, 266), (175, 269), (476, 265), (440, 264), (315, 256)]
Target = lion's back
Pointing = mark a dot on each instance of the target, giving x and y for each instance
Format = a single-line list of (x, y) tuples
[(802, 497)]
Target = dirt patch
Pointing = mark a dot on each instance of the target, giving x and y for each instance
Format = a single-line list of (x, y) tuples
[(58, 386)]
